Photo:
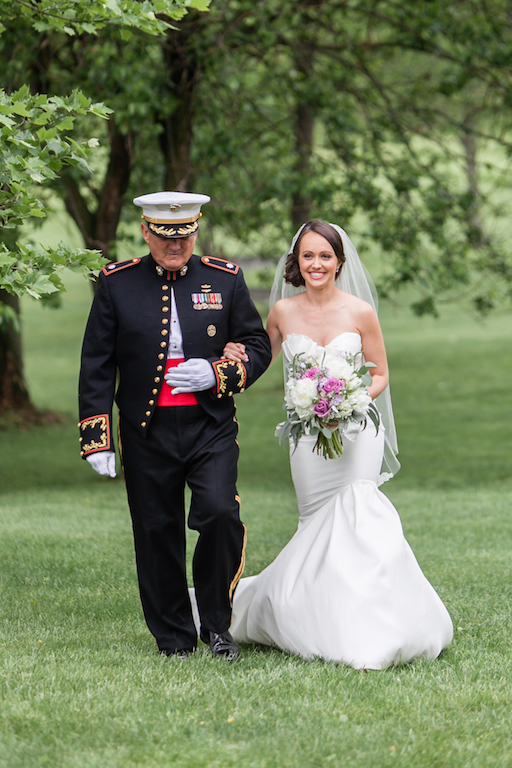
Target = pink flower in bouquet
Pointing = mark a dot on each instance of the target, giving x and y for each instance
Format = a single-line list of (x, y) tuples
[(332, 385), (322, 408), (311, 373)]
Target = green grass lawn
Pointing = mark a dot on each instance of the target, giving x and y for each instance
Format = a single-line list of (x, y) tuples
[(81, 683)]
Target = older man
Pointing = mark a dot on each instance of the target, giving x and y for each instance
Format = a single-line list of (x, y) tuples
[(160, 324)]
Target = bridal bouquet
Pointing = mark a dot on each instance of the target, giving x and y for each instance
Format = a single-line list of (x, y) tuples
[(325, 395)]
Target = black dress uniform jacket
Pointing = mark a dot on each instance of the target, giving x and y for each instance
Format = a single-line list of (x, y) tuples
[(127, 335)]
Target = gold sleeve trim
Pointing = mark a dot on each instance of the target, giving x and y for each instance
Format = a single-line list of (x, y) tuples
[(242, 373), (231, 376), (103, 441), (222, 378)]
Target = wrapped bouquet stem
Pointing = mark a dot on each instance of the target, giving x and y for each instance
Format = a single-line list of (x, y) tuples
[(326, 396)]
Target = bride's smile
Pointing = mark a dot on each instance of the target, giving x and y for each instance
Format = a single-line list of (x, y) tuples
[(318, 263)]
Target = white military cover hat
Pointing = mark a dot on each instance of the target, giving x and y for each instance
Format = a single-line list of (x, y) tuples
[(172, 214)]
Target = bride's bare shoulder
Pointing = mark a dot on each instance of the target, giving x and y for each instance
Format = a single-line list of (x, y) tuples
[(358, 306), (284, 307)]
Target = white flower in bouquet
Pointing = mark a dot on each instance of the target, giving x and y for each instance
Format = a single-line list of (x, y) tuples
[(338, 367), (360, 400), (303, 393), (344, 409)]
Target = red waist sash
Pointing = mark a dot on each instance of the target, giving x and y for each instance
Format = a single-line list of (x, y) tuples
[(166, 398)]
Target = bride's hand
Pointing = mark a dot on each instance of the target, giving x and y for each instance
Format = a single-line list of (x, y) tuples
[(235, 351)]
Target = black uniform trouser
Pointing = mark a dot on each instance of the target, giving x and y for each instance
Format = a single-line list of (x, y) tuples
[(184, 445)]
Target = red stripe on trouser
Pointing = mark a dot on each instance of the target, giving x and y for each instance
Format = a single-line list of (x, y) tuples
[(166, 398)]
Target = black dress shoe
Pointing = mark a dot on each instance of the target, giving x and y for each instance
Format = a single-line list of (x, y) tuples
[(221, 644), (181, 653)]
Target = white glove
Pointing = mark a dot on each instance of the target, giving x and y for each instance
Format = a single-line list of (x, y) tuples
[(104, 463), (194, 375)]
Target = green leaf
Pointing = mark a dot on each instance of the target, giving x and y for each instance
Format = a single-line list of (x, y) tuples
[(113, 5), (200, 5), (66, 124), (57, 146), (38, 213), (43, 118), (36, 176), (7, 259), (20, 109), (374, 416), (100, 110)]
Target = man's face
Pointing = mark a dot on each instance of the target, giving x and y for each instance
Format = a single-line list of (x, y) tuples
[(170, 254)]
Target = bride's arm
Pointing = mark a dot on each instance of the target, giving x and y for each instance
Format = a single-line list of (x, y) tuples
[(374, 350), (236, 351), (273, 330)]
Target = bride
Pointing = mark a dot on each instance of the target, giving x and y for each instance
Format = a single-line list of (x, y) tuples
[(347, 586)]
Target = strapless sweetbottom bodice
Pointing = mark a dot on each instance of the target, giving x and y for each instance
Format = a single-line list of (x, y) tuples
[(296, 343)]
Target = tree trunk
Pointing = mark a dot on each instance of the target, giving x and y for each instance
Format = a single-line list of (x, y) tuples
[(183, 73), (14, 398), (301, 199), (16, 408), (469, 143), (304, 121), (13, 390), (98, 228)]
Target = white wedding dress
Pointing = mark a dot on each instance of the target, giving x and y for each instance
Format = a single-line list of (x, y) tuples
[(347, 586)]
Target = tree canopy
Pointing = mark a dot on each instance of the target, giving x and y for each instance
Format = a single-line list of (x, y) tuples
[(392, 116), (38, 140), (89, 16), (388, 115)]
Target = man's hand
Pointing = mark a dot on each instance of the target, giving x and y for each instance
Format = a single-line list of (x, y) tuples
[(234, 350), (104, 463), (194, 375)]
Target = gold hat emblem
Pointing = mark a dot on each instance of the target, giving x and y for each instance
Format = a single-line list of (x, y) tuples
[(211, 330), (174, 207)]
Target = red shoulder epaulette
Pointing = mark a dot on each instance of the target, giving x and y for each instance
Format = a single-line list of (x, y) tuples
[(116, 266), (226, 266)]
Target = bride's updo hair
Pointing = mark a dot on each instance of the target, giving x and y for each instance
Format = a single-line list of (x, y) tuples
[(291, 271)]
